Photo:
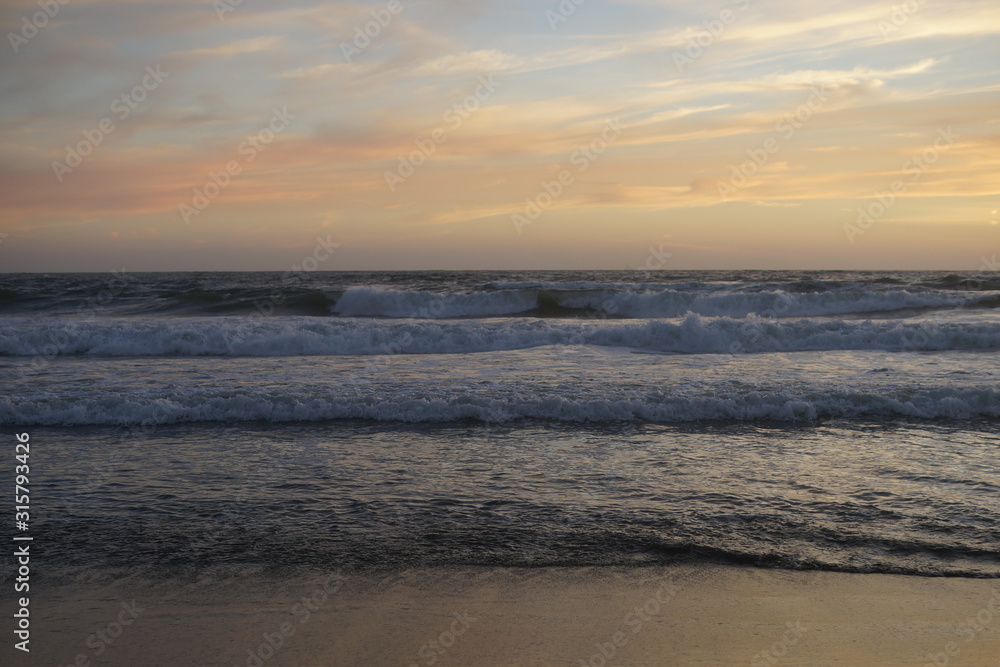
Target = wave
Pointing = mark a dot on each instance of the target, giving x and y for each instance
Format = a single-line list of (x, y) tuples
[(801, 300), (450, 404), (184, 300), (290, 302), (471, 530), (296, 336), (450, 295)]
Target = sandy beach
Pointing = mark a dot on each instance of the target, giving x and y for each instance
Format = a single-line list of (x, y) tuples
[(683, 615)]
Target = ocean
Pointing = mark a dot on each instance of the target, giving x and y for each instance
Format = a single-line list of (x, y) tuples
[(187, 422)]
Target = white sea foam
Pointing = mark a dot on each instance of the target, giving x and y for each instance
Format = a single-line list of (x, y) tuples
[(284, 336), (381, 302)]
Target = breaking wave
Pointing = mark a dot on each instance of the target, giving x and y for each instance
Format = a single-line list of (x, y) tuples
[(294, 336)]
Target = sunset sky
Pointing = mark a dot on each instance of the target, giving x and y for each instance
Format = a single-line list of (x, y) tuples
[(645, 114)]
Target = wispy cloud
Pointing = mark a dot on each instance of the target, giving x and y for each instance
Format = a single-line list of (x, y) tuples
[(472, 61), (264, 43)]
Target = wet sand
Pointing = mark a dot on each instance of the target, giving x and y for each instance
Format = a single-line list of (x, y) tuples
[(597, 617)]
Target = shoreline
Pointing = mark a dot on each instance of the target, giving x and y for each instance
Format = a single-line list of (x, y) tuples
[(578, 617)]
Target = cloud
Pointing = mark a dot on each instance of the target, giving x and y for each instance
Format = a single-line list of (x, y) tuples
[(264, 43), (471, 61), (318, 70), (807, 78)]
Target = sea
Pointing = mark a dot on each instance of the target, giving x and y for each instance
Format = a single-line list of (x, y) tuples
[(182, 423)]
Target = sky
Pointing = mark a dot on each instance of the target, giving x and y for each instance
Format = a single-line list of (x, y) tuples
[(448, 134)]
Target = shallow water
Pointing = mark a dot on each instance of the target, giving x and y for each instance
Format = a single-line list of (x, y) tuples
[(852, 424), (853, 496)]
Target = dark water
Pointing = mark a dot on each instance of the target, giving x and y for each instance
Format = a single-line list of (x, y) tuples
[(471, 294), (845, 421)]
